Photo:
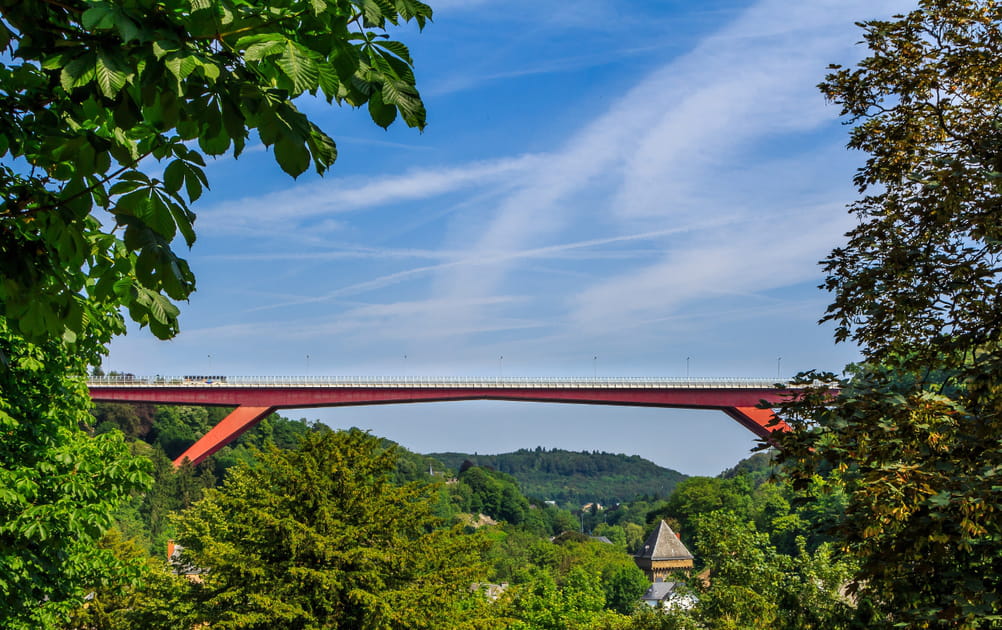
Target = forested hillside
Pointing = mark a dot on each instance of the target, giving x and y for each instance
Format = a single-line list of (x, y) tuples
[(293, 498), (574, 478), (290, 526)]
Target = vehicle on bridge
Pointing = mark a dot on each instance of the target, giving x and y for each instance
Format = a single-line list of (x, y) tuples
[(202, 380)]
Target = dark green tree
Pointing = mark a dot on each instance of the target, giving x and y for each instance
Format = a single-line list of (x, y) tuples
[(702, 495), (320, 537), (915, 435), (494, 494), (135, 421)]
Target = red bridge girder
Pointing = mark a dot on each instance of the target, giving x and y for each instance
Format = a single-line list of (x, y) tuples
[(254, 402)]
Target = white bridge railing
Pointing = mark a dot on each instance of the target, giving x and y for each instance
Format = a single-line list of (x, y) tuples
[(514, 382)]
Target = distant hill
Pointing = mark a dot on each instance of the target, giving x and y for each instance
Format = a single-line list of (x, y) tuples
[(574, 478), (758, 467)]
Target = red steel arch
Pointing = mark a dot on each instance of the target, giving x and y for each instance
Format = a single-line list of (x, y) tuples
[(254, 401)]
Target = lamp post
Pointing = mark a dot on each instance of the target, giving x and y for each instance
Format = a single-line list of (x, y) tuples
[(687, 367), (594, 366), (779, 362), (501, 366)]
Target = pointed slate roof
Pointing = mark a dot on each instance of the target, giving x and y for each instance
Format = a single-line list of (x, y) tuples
[(663, 544)]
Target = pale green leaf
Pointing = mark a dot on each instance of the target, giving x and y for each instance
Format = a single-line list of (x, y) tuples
[(259, 47), (397, 48), (300, 67), (181, 65), (78, 72), (111, 74)]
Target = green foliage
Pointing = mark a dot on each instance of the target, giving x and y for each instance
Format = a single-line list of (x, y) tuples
[(278, 431), (494, 494), (273, 430), (573, 479), (774, 507), (917, 463), (319, 537), (174, 489), (91, 89), (541, 570), (541, 604), (176, 428), (752, 585), (757, 468), (135, 421), (160, 603), (155, 601), (415, 467), (919, 274), (58, 486), (622, 583), (92, 92), (701, 495), (914, 434)]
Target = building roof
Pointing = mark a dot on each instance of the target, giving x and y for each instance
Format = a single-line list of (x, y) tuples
[(659, 591), (663, 544)]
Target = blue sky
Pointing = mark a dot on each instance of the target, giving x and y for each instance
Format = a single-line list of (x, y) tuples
[(637, 181)]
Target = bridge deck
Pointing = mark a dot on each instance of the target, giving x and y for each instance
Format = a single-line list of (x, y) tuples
[(256, 397), (434, 382)]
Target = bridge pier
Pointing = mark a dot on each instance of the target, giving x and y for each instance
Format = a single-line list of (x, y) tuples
[(754, 419), (228, 429)]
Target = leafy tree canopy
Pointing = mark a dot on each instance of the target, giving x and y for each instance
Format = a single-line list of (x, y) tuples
[(320, 537), (95, 97), (58, 486), (95, 92), (920, 274), (915, 435), (751, 585)]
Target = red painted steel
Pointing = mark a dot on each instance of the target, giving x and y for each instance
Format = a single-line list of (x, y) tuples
[(255, 402), (228, 429), (755, 420)]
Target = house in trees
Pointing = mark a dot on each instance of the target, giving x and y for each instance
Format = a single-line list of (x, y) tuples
[(667, 595), (663, 553), (177, 564)]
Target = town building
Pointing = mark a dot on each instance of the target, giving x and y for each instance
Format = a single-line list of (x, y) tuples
[(668, 595), (662, 554)]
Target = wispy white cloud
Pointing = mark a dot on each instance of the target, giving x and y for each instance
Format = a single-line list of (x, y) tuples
[(263, 214), (709, 184), (469, 80), (476, 261), (730, 263), (676, 148), (385, 319)]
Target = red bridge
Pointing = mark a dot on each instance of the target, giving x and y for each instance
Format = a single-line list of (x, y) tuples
[(255, 398)]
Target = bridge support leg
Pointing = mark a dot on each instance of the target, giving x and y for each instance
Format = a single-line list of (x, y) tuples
[(755, 420), (228, 429)]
